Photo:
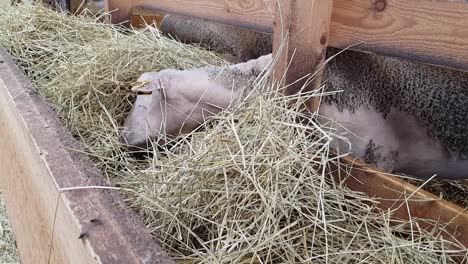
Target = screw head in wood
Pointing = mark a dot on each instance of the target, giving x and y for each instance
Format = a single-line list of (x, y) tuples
[(380, 5)]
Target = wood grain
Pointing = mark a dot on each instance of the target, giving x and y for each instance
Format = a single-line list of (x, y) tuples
[(300, 41), (433, 32), (142, 17), (408, 202), (36, 163), (420, 30), (252, 14)]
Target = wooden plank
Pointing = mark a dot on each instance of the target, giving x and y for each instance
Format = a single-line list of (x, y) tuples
[(142, 17), (250, 14), (426, 31), (408, 202), (433, 32), (300, 41), (36, 164)]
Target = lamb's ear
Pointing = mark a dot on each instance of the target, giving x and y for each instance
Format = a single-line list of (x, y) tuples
[(145, 85), (142, 88)]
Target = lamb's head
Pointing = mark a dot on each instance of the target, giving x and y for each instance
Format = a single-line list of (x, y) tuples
[(170, 103), (174, 102), (162, 109)]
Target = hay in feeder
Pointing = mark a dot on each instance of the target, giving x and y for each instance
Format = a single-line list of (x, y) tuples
[(250, 188), (454, 191)]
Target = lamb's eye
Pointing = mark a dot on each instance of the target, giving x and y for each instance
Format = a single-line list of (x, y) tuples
[(139, 92), (137, 85)]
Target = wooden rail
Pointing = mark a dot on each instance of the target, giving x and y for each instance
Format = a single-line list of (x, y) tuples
[(434, 32), (404, 199)]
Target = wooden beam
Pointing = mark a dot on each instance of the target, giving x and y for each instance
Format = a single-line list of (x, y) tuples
[(142, 17), (300, 41), (432, 32), (404, 198), (251, 14), (425, 31), (37, 162)]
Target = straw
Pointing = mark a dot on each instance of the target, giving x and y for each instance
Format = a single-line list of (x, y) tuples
[(248, 188)]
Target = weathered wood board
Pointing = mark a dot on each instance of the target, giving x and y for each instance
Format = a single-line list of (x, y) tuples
[(434, 32), (405, 199), (142, 17), (300, 42), (36, 163)]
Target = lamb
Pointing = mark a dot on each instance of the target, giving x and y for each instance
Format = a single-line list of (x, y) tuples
[(236, 45), (404, 117)]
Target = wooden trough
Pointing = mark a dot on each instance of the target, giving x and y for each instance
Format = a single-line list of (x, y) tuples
[(54, 224)]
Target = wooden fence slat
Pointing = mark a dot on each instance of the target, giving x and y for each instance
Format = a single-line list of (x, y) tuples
[(141, 17), (434, 32), (301, 31), (404, 198), (251, 14)]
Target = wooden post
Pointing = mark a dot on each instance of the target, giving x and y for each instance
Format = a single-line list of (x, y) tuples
[(301, 36)]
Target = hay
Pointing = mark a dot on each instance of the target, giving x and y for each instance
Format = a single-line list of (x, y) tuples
[(8, 252), (454, 191), (250, 188)]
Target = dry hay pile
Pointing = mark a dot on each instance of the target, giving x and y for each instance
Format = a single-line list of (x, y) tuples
[(250, 188), (454, 191)]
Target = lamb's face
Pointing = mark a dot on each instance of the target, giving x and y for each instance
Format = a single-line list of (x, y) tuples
[(146, 120), (174, 102), (170, 103)]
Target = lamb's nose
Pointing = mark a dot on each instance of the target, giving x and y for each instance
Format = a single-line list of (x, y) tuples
[(133, 140)]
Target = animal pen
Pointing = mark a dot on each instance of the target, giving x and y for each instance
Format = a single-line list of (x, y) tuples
[(35, 172)]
